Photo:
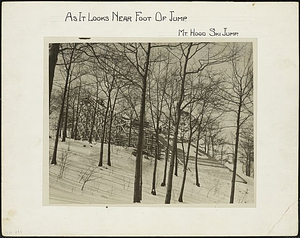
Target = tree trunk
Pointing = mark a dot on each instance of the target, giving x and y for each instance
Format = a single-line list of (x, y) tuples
[(137, 196), (212, 146), (153, 191), (150, 147), (130, 131), (73, 119), (104, 131), (235, 152), (53, 161), (196, 159), (167, 149), (66, 115), (109, 131), (94, 116), (205, 143), (248, 166), (92, 126), (53, 53), (176, 162), (61, 126), (77, 110), (109, 142), (86, 123), (183, 152), (58, 131), (185, 168), (173, 155), (77, 123), (208, 146)]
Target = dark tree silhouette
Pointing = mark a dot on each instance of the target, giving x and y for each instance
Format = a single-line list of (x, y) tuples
[(53, 53), (68, 69)]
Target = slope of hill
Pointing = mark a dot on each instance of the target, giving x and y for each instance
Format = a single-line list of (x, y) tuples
[(77, 179)]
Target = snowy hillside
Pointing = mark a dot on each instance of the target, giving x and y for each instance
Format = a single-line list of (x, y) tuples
[(77, 179)]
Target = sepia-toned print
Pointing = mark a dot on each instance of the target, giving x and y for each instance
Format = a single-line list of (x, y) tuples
[(151, 123)]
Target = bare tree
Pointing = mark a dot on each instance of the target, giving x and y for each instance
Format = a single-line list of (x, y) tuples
[(192, 127), (192, 62), (156, 95), (185, 54), (108, 91), (137, 196), (194, 58), (169, 98), (75, 73), (112, 109), (238, 94), (68, 70)]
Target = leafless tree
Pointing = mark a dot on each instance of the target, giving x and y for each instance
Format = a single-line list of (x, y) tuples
[(68, 71), (193, 58), (238, 93)]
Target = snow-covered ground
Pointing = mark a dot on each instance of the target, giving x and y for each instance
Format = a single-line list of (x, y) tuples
[(79, 180)]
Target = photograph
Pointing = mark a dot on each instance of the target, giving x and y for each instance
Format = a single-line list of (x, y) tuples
[(149, 119), (151, 123)]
